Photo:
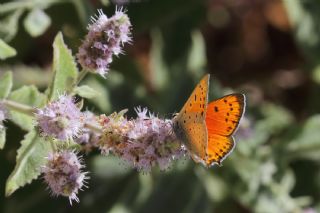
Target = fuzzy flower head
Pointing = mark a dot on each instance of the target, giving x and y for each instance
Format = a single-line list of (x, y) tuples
[(86, 136), (115, 132), (105, 38), (152, 142), (147, 142), (63, 174), (61, 119)]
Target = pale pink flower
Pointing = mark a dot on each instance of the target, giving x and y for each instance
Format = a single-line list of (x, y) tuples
[(61, 119), (63, 174), (105, 38), (145, 142)]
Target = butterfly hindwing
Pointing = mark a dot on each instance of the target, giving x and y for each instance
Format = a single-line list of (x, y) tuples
[(219, 147)]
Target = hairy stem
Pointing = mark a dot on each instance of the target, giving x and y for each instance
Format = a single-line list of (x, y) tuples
[(19, 107), (81, 75), (93, 128)]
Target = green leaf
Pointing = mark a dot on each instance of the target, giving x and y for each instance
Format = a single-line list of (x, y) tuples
[(307, 143), (86, 92), (2, 137), (5, 85), (305, 19), (197, 55), (27, 75), (215, 186), (10, 24), (276, 119), (10, 6), (30, 157), (316, 74), (5, 88), (64, 69), (159, 67), (37, 22), (103, 101), (30, 96), (6, 51), (99, 163), (84, 10), (105, 2)]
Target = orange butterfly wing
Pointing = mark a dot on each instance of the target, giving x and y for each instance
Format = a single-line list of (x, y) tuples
[(222, 119), (190, 126)]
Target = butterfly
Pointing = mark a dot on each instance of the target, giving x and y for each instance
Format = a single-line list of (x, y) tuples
[(206, 129)]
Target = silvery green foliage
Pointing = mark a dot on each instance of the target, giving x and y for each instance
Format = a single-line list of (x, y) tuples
[(3, 114)]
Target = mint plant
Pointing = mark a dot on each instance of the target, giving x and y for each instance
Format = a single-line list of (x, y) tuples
[(59, 129)]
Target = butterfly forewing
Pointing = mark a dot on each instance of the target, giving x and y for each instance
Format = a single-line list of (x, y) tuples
[(223, 115), (190, 125)]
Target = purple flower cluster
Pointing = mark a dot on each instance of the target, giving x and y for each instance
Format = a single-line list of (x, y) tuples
[(61, 119), (144, 142), (105, 38), (63, 174), (87, 136), (115, 130)]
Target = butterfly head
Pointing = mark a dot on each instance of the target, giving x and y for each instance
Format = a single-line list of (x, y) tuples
[(177, 129)]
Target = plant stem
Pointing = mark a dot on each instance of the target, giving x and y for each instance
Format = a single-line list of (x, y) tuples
[(81, 75), (53, 146), (93, 127), (19, 107)]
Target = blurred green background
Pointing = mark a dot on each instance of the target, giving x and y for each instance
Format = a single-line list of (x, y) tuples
[(267, 49)]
